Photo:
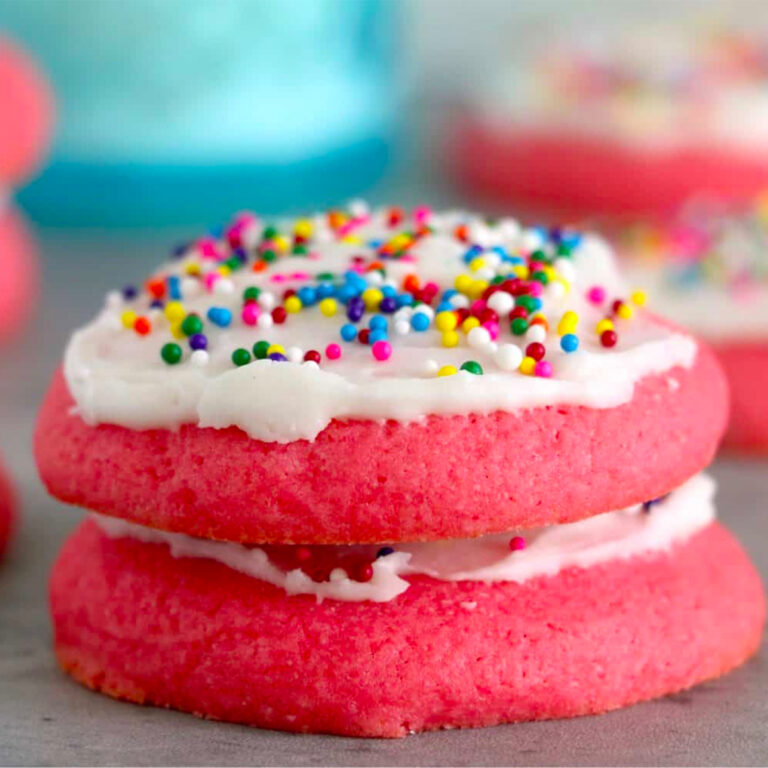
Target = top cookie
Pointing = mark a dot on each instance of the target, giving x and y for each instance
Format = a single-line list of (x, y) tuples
[(377, 376)]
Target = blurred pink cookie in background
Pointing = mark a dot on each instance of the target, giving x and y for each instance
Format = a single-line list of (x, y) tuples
[(26, 107), (708, 271), (7, 504), (27, 104), (629, 125)]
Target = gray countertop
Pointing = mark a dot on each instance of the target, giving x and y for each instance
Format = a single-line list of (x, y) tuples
[(47, 719)]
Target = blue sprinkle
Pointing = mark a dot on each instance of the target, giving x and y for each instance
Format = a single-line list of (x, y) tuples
[(404, 300), (220, 316), (377, 335), (174, 287), (569, 342), (348, 332), (388, 290), (307, 295), (420, 321), (378, 323)]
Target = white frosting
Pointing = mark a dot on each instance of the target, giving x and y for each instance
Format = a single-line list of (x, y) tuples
[(116, 376), (549, 550)]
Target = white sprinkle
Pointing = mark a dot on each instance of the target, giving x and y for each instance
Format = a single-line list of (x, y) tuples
[(294, 354), (199, 358), (338, 574), (224, 287), (508, 357), (402, 327), (536, 333), (264, 321), (431, 367), (266, 300), (113, 300), (478, 338), (459, 301), (501, 303)]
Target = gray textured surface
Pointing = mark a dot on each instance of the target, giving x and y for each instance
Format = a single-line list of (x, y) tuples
[(46, 719)]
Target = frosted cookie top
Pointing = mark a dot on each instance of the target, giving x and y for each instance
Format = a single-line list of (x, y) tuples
[(356, 314), (650, 85), (708, 268)]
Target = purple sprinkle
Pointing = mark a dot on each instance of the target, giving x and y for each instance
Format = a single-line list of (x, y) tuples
[(388, 305), (278, 357), (130, 292), (198, 341)]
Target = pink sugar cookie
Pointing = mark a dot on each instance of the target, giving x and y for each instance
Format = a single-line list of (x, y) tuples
[(7, 506), (25, 95), (583, 176), (18, 258), (746, 367), (361, 481), (137, 624)]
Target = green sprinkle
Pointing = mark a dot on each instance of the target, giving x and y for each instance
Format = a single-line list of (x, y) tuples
[(260, 349), (241, 357), (171, 353)]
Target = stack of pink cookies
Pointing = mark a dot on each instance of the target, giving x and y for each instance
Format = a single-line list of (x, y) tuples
[(25, 124), (377, 472)]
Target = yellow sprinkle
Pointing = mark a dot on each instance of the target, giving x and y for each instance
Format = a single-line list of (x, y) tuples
[(527, 366), (604, 325), (639, 298), (477, 263), (463, 283), (399, 242), (176, 331), (128, 318), (328, 307), (568, 323), (446, 321), (282, 243), (625, 311), (174, 311), (372, 298), (450, 339), (292, 304), (272, 348), (224, 270), (303, 228), (550, 272), (447, 370), (352, 239), (521, 271), (477, 288), (469, 324), (192, 269)]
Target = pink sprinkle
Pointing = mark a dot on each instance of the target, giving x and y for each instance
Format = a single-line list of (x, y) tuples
[(535, 289), (314, 255), (278, 278), (210, 279), (382, 350), (408, 257), (516, 543), (251, 313), (543, 369), (477, 307), (208, 248), (422, 214), (596, 294), (493, 328), (333, 351), (299, 276), (267, 245)]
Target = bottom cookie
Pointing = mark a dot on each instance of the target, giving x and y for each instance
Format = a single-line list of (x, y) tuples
[(193, 634)]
